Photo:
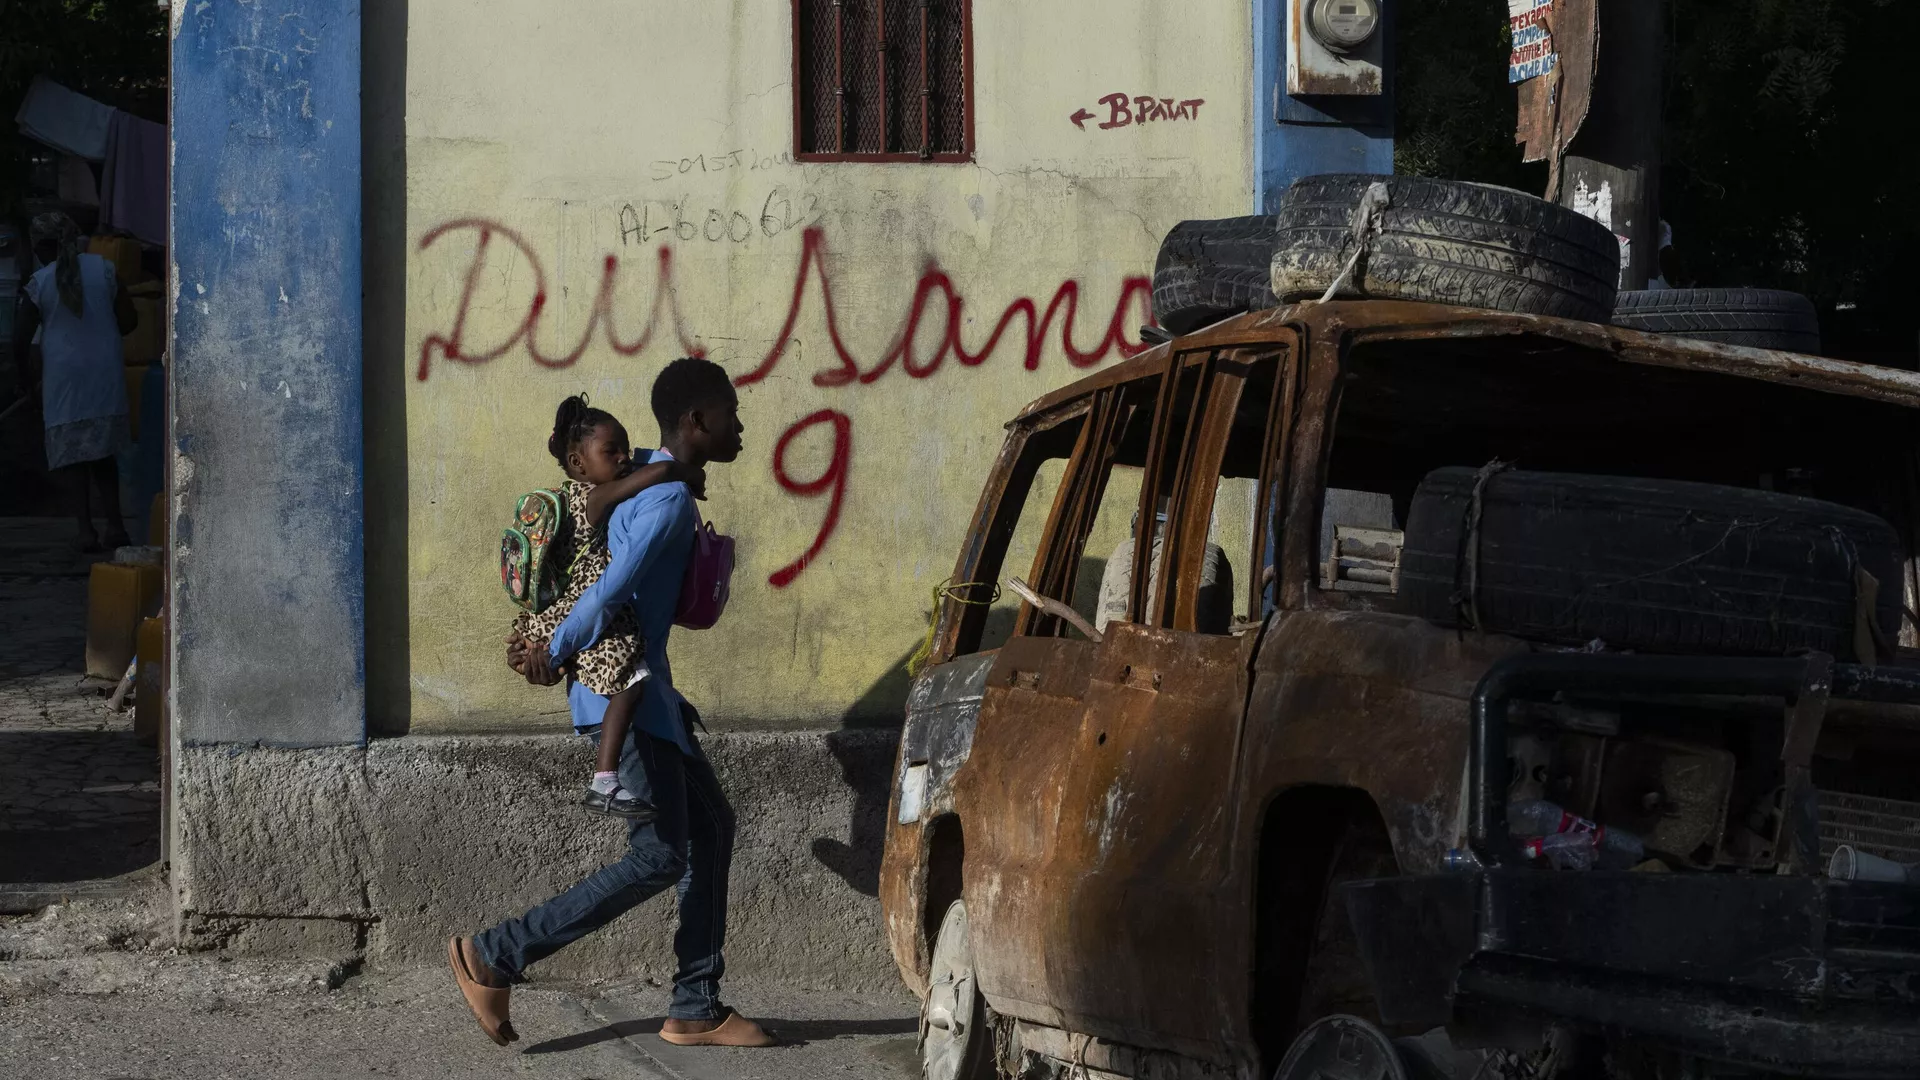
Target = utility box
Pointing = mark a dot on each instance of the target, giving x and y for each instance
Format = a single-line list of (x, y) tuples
[(1336, 47)]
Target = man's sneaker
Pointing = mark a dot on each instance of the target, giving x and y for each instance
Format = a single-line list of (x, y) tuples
[(618, 803)]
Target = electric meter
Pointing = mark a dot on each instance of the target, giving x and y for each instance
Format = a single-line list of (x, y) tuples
[(1342, 25), (1335, 48)]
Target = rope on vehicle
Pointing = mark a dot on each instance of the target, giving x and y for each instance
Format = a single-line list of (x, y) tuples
[(1366, 225), (947, 589)]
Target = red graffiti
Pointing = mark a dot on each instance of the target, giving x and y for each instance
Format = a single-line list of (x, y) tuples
[(1123, 110), (833, 478), (453, 346), (933, 279), (1064, 305)]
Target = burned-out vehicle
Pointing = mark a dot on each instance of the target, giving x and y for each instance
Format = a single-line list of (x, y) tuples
[(1481, 568)]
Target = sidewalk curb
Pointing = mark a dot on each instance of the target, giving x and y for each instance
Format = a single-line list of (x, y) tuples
[(25, 898)]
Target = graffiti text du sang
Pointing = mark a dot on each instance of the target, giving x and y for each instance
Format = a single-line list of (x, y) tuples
[(935, 298)]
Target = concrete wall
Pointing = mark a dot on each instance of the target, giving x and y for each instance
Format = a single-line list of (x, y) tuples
[(542, 149), (384, 851), (266, 596)]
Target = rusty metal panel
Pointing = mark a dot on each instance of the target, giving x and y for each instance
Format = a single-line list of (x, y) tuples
[(1151, 362), (1078, 1057), (1275, 456), (903, 893), (1353, 321), (943, 709), (1190, 516), (1141, 842), (1009, 798), (1319, 355), (1369, 701)]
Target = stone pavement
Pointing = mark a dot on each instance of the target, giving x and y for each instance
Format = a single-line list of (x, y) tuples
[(79, 795), (92, 991)]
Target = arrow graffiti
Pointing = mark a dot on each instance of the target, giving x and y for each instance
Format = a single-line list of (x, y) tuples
[(1124, 110)]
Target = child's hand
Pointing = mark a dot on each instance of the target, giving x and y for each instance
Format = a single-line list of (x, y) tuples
[(517, 653), (694, 476), (539, 665)]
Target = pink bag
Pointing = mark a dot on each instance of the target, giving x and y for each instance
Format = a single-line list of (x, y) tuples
[(703, 593)]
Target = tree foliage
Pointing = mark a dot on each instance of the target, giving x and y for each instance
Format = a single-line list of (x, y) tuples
[(1789, 150)]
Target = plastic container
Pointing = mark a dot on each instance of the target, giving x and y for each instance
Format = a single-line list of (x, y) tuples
[(1851, 864), (1614, 849), (1562, 851)]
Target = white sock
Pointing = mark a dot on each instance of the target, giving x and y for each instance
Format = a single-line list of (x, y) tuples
[(606, 783)]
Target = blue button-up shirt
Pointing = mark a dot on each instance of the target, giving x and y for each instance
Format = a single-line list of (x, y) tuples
[(649, 539)]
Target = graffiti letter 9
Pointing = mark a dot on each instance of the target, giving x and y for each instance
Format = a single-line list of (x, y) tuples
[(834, 478)]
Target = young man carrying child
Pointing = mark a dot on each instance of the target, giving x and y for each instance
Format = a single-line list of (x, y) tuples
[(650, 538)]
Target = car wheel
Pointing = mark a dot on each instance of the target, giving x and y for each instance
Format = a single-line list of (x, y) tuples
[(1343, 1046), (956, 1042)]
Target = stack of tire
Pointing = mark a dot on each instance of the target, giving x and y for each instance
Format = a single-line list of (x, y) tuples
[(1653, 565), (1353, 236), (1756, 318), (1649, 564)]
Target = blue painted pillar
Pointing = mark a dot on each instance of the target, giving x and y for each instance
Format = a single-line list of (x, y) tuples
[(1296, 137), (267, 587)]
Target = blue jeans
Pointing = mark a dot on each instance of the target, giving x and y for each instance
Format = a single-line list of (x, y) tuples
[(690, 844)]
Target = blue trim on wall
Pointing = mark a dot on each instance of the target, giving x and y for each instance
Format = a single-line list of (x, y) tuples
[(268, 586), (1295, 137)]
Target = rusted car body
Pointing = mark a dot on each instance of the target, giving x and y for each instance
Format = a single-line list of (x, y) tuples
[(1145, 830)]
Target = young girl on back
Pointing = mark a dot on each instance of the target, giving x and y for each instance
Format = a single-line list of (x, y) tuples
[(591, 447)]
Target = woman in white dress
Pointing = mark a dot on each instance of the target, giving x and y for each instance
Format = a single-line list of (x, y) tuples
[(81, 311)]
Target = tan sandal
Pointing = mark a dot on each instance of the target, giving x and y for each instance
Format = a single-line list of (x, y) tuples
[(735, 1030), (489, 1003)]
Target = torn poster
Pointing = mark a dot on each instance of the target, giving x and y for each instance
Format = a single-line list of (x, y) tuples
[(1533, 53)]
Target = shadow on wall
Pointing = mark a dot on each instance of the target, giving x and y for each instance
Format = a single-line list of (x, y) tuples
[(866, 766), (383, 252)]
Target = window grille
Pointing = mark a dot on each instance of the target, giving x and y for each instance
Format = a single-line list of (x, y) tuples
[(883, 80)]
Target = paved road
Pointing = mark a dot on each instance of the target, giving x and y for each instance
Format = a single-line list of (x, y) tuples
[(79, 795), (93, 990), (224, 1024)]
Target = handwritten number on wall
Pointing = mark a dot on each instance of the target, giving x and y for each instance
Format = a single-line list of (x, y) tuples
[(833, 480)]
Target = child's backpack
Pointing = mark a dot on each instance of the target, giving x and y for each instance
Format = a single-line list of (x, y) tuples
[(533, 578), (709, 580)]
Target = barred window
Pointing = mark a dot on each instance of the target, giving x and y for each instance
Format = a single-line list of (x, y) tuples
[(883, 80)]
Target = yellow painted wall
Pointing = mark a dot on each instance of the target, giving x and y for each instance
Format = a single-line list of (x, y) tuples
[(603, 128)]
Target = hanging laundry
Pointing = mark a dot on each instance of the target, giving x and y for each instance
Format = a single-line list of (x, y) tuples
[(64, 119), (133, 185)]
